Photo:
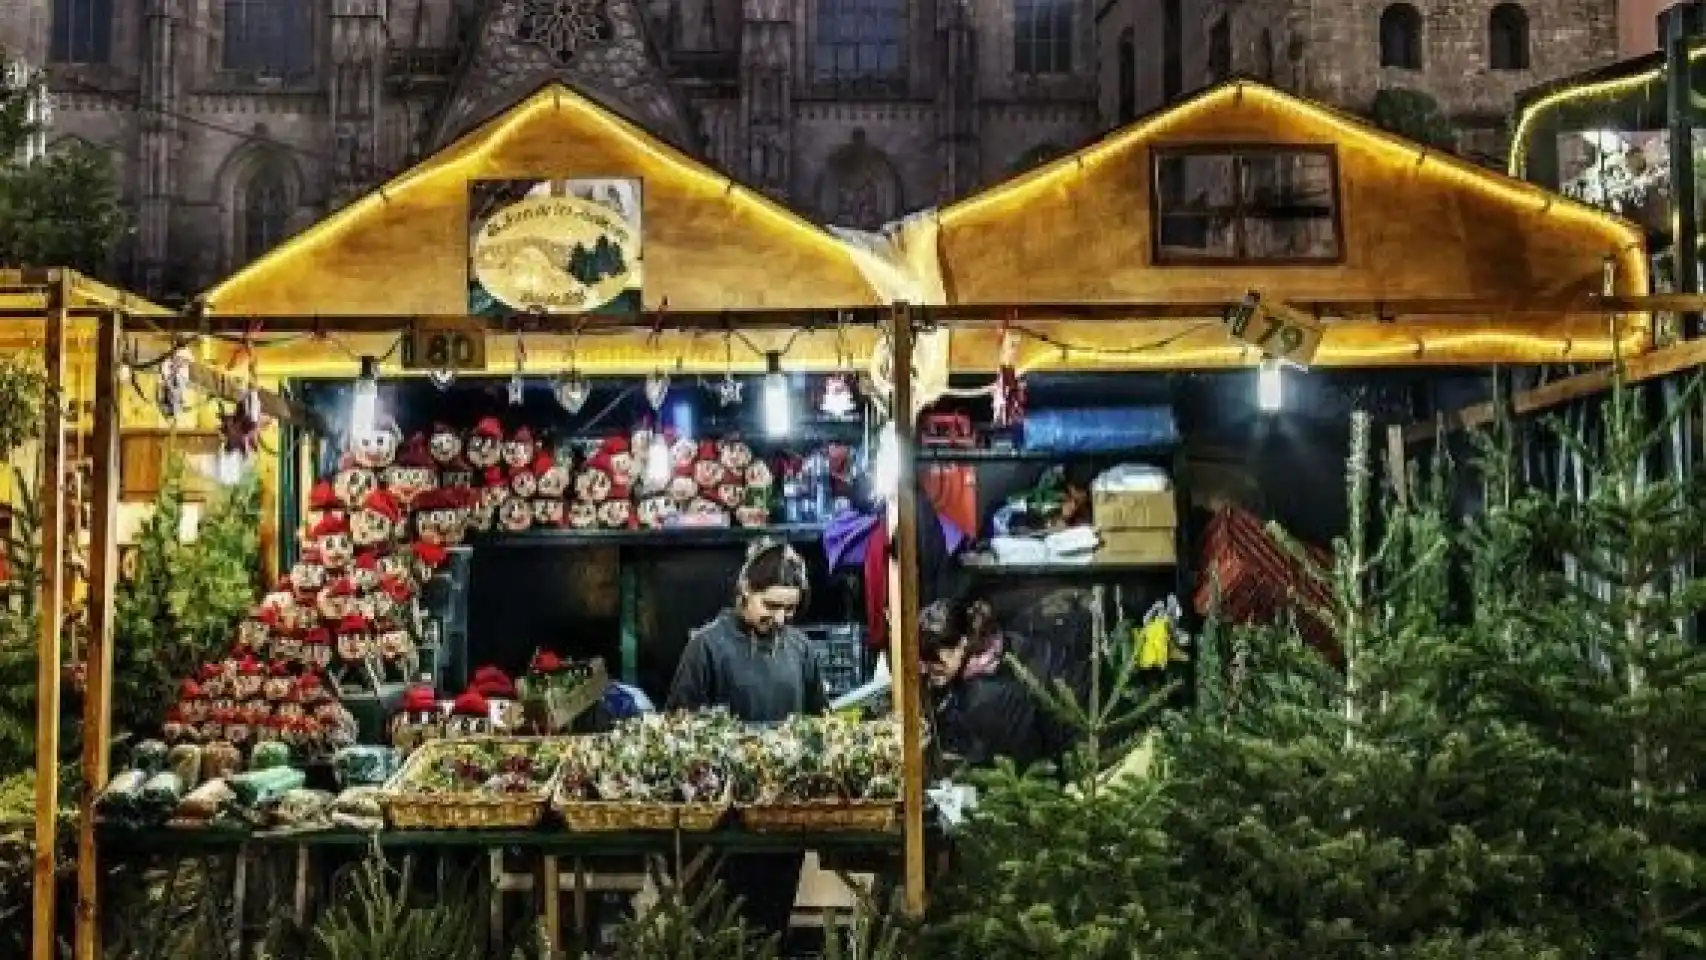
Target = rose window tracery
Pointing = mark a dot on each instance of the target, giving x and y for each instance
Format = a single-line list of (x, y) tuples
[(562, 28)]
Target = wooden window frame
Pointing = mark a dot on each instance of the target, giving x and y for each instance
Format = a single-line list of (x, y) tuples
[(1159, 154)]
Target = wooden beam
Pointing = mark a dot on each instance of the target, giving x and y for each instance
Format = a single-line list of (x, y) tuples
[(98, 666), (971, 315), (45, 937), (903, 642), (1660, 363), (217, 383)]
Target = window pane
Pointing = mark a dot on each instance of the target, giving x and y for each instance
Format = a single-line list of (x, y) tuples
[(1194, 204), (1263, 206), (859, 40)]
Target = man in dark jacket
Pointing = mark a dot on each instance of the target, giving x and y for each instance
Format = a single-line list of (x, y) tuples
[(984, 709)]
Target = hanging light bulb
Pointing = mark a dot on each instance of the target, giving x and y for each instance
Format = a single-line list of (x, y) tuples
[(364, 402), (657, 473), (778, 405), (885, 466), (228, 466), (572, 391), (1270, 387)]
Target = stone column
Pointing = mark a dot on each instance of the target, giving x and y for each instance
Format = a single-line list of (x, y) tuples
[(358, 73), (956, 101), (156, 166), (767, 95)]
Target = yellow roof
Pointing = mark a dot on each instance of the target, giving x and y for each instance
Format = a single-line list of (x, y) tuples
[(710, 243), (22, 290), (1415, 224)]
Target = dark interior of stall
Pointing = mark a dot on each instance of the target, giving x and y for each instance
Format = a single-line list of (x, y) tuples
[(577, 593)]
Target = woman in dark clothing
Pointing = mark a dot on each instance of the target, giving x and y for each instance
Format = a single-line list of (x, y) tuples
[(984, 710), (752, 662)]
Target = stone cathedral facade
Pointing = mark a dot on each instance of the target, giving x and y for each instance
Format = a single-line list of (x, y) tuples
[(235, 123)]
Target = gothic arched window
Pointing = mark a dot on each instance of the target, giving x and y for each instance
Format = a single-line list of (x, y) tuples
[(265, 213), (859, 187), (269, 38), (1507, 37), (1042, 36), (82, 31), (859, 41), (1401, 37)]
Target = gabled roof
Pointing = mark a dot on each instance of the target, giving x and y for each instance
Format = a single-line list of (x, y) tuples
[(1415, 224), (710, 243)]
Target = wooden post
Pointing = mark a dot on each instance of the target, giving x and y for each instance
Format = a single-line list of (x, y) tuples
[(903, 641), (52, 610), (103, 578), (1397, 463)]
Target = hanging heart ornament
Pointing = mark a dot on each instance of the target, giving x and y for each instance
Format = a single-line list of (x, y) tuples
[(572, 391), (657, 388), (442, 379)]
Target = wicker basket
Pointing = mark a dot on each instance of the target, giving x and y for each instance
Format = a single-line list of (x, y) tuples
[(849, 816), (617, 816), (408, 810)]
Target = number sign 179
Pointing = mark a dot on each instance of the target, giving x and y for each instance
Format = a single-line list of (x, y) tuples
[(1272, 332)]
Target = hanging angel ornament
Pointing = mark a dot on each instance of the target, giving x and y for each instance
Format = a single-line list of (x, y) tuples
[(1009, 393), (172, 391)]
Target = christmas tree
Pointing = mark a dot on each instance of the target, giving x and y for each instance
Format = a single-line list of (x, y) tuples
[(1590, 656)]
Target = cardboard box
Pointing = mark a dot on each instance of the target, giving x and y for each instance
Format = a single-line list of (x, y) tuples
[(1134, 509), (1138, 546)]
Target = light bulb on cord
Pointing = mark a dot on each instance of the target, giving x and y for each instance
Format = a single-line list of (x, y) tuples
[(885, 466), (1270, 387), (364, 403), (228, 466), (778, 412), (658, 464)]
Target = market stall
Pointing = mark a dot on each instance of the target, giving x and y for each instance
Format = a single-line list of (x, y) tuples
[(504, 277)]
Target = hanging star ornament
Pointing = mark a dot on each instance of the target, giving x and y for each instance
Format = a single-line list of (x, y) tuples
[(572, 392), (727, 391), (657, 388)]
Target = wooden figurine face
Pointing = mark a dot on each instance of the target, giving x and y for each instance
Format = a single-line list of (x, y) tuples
[(515, 515), (547, 513), (353, 484), (445, 446), (375, 449)]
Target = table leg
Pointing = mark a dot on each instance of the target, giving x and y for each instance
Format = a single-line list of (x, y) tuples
[(239, 899), (553, 913), (301, 886), (495, 935), (581, 920)]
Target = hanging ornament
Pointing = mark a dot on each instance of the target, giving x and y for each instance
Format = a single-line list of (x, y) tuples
[(572, 391), (442, 379), (1009, 393), (657, 388), (727, 390), (838, 400), (171, 394), (518, 384)]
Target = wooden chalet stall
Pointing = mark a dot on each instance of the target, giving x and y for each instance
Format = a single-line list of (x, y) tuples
[(1406, 255), (717, 280)]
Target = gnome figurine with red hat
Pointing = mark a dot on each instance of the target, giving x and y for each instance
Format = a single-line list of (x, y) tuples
[(498, 690), (445, 445), (470, 716), (413, 473), (332, 536), (378, 521), (485, 444), (323, 499), (352, 483), (418, 719), (519, 449)]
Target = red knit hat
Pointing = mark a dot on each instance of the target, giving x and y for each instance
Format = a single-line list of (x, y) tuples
[(420, 698), (384, 504), (489, 427), (471, 704)]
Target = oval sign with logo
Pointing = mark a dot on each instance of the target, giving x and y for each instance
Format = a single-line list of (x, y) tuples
[(559, 254)]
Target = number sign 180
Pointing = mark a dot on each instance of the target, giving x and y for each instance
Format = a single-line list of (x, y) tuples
[(441, 347)]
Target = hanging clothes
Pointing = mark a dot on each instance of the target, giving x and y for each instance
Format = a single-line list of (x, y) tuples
[(952, 490), (864, 541)]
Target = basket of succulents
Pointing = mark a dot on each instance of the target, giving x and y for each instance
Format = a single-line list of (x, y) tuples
[(820, 773), (652, 772), (556, 691), (474, 783)]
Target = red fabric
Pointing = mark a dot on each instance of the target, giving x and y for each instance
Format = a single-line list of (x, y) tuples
[(952, 490), (877, 587)]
